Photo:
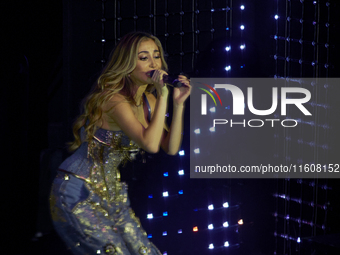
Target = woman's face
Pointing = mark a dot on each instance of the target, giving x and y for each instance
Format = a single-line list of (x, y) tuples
[(149, 58)]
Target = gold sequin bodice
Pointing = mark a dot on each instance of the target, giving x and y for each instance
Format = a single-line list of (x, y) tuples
[(108, 150), (98, 161)]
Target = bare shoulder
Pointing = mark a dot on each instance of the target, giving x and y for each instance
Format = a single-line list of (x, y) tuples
[(117, 98), (115, 102)]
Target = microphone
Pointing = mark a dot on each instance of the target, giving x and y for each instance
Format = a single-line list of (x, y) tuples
[(168, 79)]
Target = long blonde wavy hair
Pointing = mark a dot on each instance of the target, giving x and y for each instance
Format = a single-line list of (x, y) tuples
[(113, 79)]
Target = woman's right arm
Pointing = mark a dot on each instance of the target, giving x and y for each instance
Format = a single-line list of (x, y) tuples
[(148, 138)]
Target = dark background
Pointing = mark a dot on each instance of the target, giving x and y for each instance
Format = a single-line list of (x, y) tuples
[(51, 57)]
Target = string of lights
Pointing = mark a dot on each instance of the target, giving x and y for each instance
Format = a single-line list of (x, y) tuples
[(194, 35), (299, 200), (302, 49), (301, 36)]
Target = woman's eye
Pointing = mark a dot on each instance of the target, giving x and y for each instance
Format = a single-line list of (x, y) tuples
[(146, 58)]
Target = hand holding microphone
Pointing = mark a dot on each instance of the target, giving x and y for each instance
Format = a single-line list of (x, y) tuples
[(175, 82)]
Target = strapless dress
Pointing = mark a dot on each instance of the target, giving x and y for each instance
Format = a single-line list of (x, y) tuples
[(89, 204)]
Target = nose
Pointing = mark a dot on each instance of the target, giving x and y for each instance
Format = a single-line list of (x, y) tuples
[(153, 63)]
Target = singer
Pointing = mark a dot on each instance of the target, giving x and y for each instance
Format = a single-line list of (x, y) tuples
[(90, 207)]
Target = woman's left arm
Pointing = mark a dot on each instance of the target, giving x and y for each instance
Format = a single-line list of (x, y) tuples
[(172, 139)]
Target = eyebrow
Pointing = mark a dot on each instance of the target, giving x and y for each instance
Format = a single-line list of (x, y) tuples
[(147, 51)]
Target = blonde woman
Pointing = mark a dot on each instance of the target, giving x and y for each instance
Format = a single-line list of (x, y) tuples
[(89, 204)]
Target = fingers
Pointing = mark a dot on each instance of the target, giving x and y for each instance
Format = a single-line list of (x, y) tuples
[(157, 81), (183, 79), (157, 78), (157, 75)]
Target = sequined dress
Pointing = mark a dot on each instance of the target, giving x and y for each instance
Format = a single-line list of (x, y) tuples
[(90, 207)]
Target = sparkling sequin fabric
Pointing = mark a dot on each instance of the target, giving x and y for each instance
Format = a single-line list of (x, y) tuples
[(89, 204)]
